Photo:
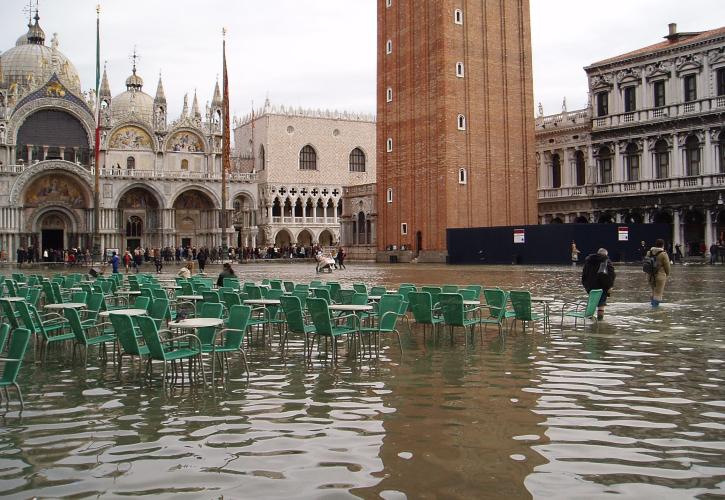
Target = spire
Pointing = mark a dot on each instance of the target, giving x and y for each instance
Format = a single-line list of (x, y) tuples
[(217, 99), (195, 107), (134, 82), (160, 95), (185, 109), (36, 35), (105, 88)]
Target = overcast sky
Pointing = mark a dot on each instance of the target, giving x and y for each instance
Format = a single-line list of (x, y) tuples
[(322, 53)]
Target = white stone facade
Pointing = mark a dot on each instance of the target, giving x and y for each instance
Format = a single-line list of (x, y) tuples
[(651, 146), (300, 194)]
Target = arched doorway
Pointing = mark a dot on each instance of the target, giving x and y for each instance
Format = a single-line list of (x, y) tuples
[(196, 219), (694, 231), (283, 239), (139, 212), (55, 232), (304, 239), (326, 238)]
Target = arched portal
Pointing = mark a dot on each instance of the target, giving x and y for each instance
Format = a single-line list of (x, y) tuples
[(55, 229), (694, 231), (51, 134), (326, 238), (196, 219), (304, 239), (283, 239), (139, 209)]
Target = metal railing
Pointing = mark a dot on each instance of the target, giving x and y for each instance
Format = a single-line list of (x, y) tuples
[(150, 174)]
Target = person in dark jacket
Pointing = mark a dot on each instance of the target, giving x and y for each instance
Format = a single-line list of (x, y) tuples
[(598, 273), (227, 272)]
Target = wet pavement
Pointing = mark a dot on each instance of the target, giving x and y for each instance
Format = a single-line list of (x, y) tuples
[(634, 408)]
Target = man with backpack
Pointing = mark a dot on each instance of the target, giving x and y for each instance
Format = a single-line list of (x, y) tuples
[(598, 273), (657, 266)]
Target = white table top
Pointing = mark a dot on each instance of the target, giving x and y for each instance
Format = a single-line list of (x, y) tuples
[(196, 323), (189, 297), (14, 299), (542, 299), (262, 302), (374, 297), (350, 307), (171, 287), (66, 305), (471, 303), (128, 292), (129, 312)]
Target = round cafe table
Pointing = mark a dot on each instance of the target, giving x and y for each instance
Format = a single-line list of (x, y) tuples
[(66, 305), (262, 302), (129, 312), (194, 323), (350, 307), (14, 299)]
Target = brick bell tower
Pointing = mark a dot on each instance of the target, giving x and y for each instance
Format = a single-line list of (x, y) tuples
[(455, 130)]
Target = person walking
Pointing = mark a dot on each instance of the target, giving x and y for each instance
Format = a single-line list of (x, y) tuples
[(341, 258), (660, 271), (201, 259), (127, 261), (114, 262), (598, 273), (574, 254)]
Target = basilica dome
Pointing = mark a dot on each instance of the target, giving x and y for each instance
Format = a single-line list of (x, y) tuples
[(134, 103), (31, 63)]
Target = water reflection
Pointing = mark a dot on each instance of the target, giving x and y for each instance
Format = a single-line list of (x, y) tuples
[(635, 408)]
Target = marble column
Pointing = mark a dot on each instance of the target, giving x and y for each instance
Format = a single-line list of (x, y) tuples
[(676, 240), (708, 231)]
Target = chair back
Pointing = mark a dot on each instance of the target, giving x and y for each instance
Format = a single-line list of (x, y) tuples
[(378, 290), (592, 302), (4, 332), (209, 310), (521, 302), (238, 321), (186, 288), (253, 292), (33, 296), (48, 292), (231, 283), (434, 292), (25, 316), (292, 308), (275, 284), (335, 289), (151, 337), (231, 299), (389, 311), (469, 294), (449, 289), (320, 314), (141, 302), (159, 310), (289, 286), (346, 296), (57, 296), (421, 306), (16, 352), (74, 321), (79, 297), (301, 294), (9, 313), (360, 288), (211, 297), (159, 293), (452, 308), (124, 330), (496, 300), (322, 293)]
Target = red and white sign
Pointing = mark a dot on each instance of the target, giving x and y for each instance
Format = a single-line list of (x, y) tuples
[(519, 236), (623, 233)]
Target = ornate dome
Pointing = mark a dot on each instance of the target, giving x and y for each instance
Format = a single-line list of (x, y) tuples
[(132, 104), (31, 63)]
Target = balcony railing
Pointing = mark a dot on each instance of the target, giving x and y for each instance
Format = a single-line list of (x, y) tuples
[(636, 187), (661, 113), (151, 174)]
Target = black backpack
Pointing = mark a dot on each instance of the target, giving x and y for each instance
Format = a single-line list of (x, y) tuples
[(603, 277), (649, 264)]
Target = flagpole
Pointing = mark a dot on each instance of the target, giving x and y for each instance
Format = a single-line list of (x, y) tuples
[(96, 188), (225, 143)]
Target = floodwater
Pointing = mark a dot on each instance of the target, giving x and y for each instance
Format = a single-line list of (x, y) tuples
[(633, 410)]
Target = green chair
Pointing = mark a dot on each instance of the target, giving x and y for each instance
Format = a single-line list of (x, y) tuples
[(455, 315), (421, 305), (449, 289), (335, 289), (232, 338), (360, 288), (94, 305), (79, 297), (159, 311), (324, 327), (141, 302), (322, 293), (346, 296), (4, 332), (389, 311), (496, 300), (231, 283), (84, 340), (582, 309), (33, 296), (521, 303), (434, 292), (295, 318), (378, 291), (10, 315), (16, 352), (289, 286), (48, 328), (158, 350), (125, 330)]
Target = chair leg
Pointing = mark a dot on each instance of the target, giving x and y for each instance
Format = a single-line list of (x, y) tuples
[(203, 373), (20, 395)]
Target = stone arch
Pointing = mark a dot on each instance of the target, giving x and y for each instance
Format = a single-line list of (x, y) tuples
[(283, 238), (156, 196), (180, 140), (190, 203), (31, 175), (305, 238), (22, 113), (216, 202), (114, 134), (68, 214), (326, 238)]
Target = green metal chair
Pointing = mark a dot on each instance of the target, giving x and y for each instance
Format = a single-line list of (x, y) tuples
[(421, 305), (324, 327), (378, 290), (582, 309), (159, 311), (295, 318), (389, 311), (125, 330), (289, 286), (48, 328), (231, 283), (456, 315), (189, 349), (322, 293), (521, 303), (496, 300), (84, 340), (9, 315), (4, 332), (33, 296), (434, 292), (232, 338), (16, 352), (449, 289), (360, 288)]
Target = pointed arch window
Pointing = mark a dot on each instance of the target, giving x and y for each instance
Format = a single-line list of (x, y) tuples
[(262, 159), (308, 158), (357, 160)]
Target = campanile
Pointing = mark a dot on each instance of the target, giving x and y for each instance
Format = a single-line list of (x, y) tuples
[(455, 131)]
